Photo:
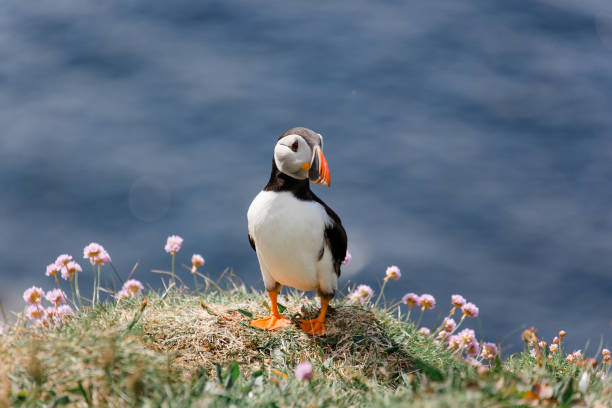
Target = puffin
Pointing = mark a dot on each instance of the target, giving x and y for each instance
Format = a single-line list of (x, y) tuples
[(299, 240)]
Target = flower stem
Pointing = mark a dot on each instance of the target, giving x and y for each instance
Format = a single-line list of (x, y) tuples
[(173, 278), (420, 317), (76, 287), (382, 289), (98, 288), (409, 310), (72, 291), (93, 295), (195, 281)]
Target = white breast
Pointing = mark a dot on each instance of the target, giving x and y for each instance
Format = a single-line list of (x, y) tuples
[(289, 236)]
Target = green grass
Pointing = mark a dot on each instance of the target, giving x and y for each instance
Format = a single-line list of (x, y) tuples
[(186, 349)]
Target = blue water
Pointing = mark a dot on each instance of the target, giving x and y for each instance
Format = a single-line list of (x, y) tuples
[(469, 142)]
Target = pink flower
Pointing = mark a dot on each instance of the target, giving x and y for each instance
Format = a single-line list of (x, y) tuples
[(33, 295), (56, 296), (427, 301), (92, 250), (173, 245), (63, 312), (562, 334), (52, 270), (466, 336), (449, 324), (606, 359), (424, 331), (553, 348), (605, 352), (489, 351), (122, 294), (470, 310), (303, 371), (133, 287), (411, 299), (393, 273), (96, 254), (577, 355), (51, 312), (454, 342), (362, 294), (197, 260), (70, 269), (458, 300), (473, 348), (35, 312), (570, 358), (347, 259), (63, 260)]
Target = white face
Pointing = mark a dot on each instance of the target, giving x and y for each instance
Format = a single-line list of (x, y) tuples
[(292, 156)]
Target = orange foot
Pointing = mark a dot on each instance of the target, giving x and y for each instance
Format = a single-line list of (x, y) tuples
[(314, 327), (271, 323)]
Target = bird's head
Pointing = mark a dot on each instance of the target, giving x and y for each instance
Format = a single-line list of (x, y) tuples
[(299, 154)]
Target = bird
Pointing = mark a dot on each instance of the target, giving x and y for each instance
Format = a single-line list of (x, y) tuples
[(299, 240)]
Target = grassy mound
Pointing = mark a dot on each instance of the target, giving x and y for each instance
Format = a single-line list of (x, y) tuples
[(180, 349)]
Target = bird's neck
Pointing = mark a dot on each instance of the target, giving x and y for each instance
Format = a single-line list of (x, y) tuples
[(280, 181)]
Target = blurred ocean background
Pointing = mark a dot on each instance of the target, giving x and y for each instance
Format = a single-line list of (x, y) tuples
[(469, 143)]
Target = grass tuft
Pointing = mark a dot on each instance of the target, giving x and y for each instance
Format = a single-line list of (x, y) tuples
[(184, 349)]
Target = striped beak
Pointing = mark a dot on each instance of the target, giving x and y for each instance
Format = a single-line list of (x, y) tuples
[(319, 171)]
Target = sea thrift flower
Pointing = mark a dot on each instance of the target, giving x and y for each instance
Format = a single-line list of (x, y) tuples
[(63, 260), (303, 371), (570, 358), (92, 250), (529, 336), (33, 295), (133, 287), (424, 330), (393, 273), (63, 312), (556, 340), (347, 259), (427, 301), (542, 344), (470, 310), (35, 312), (489, 351), (554, 348), (96, 254), (362, 294), (605, 352), (52, 270), (449, 324), (473, 348), (466, 336), (454, 342), (122, 294), (577, 355), (196, 260), (56, 296), (70, 269), (458, 300), (411, 299), (51, 312), (562, 334), (606, 358), (173, 244)]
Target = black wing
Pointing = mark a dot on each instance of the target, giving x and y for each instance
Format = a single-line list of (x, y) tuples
[(252, 243), (335, 235)]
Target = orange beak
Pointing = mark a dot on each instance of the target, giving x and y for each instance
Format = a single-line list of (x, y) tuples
[(319, 170)]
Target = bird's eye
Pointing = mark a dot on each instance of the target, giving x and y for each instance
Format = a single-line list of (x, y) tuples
[(295, 146)]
